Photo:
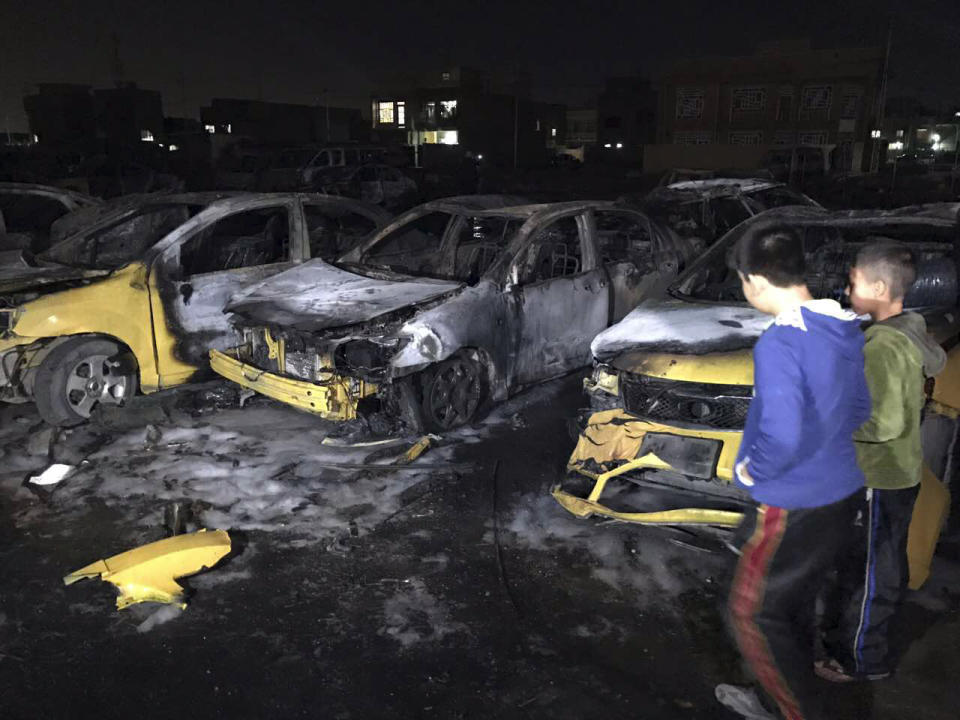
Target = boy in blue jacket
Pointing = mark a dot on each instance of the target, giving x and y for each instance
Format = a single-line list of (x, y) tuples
[(797, 460)]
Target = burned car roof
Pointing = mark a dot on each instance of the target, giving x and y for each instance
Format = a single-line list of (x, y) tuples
[(691, 323), (77, 198)]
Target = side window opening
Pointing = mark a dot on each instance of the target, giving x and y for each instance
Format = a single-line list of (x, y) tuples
[(333, 232), (125, 241), (242, 240), (479, 243), (624, 237), (555, 252), (413, 248), (31, 215)]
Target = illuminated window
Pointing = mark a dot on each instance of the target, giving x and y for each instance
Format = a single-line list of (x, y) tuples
[(173, 148), (448, 110), (229, 128), (553, 132), (146, 136), (210, 129), (690, 103), (748, 99), (899, 134), (445, 76), (36, 138), (401, 114), (447, 137), (385, 113)]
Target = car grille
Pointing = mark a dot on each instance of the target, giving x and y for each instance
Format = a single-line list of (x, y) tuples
[(707, 405)]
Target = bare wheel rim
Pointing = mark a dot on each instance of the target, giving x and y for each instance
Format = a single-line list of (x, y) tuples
[(454, 394), (92, 381)]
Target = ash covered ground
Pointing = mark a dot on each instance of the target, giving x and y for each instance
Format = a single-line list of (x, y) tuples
[(456, 588)]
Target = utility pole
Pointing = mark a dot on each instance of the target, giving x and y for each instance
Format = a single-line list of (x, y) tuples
[(881, 102)]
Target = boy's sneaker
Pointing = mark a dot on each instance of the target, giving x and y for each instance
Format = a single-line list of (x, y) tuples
[(743, 701), (833, 671)]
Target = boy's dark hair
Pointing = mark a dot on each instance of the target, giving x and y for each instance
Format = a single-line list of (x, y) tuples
[(891, 262), (772, 251)]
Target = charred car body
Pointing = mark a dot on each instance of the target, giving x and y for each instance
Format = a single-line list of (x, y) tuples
[(137, 297), (672, 382), (706, 209), (30, 215), (450, 306)]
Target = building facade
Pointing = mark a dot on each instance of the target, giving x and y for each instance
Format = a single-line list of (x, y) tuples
[(785, 95), (468, 112)]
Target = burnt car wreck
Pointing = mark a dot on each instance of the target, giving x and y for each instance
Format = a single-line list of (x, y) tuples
[(450, 307)]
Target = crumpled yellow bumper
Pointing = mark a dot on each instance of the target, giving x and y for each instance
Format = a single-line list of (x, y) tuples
[(333, 399), (148, 573), (613, 439)]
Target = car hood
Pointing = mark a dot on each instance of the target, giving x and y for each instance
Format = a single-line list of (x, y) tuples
[(17, 274), (679, 326), (316, 296)]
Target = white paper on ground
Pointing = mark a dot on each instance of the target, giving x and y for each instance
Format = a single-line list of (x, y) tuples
[(52, 475)]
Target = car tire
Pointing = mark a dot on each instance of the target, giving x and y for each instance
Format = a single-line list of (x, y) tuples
[(76, 376), (453, 393)]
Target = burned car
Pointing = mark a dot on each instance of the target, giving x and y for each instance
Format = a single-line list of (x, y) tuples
[(448, 308), (30, 213), (704, 210), (379, 184), (136, 298), (672, 382)]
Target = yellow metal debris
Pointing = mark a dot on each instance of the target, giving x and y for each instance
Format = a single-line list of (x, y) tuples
[(414, 451), (148, 573)]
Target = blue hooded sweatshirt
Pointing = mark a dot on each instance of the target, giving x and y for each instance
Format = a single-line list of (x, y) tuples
[(810, 395)]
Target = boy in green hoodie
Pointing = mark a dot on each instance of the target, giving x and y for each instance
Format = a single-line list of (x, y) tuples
[(898, 356)]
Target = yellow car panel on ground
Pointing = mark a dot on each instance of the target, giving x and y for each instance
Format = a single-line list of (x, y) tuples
[(333, 399), (148, 573)]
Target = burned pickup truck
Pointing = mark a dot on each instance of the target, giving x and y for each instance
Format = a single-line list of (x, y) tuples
[(673, 381), (448, 308)]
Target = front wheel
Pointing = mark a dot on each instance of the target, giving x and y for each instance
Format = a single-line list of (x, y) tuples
[(78, 375), (453, 393)]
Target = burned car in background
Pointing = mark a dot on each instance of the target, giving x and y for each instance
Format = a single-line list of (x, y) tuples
[(378, 184), (29, 214), (136, 299), (704, 210), (673, 381), (448, 308)]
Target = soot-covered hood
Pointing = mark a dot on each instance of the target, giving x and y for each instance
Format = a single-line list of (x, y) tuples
[(677, 326), (316, 296), (18, 274)]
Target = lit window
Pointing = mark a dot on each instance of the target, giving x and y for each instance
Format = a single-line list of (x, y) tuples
[(401, 114), (748, 99), (385, 113), (553, 132), (447, 137), (36, 138), (448, 110), (210, 129), (173, 147), (619, 146), (146, 136), (229, 128), (430, 112), (690, 103), (874, 133), (445, 76), (899, 134)]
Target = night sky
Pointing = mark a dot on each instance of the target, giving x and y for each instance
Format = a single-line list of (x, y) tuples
[(292, 50)]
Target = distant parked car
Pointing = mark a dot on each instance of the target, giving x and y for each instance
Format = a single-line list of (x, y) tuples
[(382, 185), (28, 212)]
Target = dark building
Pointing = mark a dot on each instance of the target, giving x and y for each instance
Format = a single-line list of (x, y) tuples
[(63, 116), (283, 123), (72, 118), (582, 127), (128, 115), (626, 117), (785, 95), (459, 110)]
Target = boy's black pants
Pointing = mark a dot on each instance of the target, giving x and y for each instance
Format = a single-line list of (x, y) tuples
[(872, 578), (784, 558)]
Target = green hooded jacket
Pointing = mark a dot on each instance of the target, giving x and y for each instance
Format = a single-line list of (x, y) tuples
[(898, 356)]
